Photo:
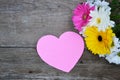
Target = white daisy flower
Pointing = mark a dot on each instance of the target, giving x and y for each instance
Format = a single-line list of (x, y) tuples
[(103, 3), (114, 57), (101, 19), (116, 46), (99, 3)]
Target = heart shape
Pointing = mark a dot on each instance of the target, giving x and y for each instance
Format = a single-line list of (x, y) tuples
[(63, 52)]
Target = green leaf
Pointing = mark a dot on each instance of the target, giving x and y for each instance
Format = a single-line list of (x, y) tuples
[(118, 54), (115, 16)]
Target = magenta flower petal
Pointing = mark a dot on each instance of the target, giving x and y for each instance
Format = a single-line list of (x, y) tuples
[(81, 15)]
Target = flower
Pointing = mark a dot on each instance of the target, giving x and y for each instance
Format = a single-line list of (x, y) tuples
[(92, 20), (116, 45), (99, 3), (81, 15), (101, 19), (114, 56), (103, 3), (99, 42)]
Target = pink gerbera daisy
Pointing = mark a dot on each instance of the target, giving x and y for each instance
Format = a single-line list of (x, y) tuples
[(81, 15)]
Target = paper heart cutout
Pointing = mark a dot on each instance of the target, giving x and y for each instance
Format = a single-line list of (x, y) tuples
[(63, 52)]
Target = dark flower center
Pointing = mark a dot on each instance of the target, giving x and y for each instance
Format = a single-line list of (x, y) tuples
[(100, 38)]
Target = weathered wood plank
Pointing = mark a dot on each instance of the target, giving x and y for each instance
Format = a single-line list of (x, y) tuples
[(24, 63), (23, 22)]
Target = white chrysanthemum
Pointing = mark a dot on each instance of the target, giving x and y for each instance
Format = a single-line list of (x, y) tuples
[(116, 47), (101, 19), (99, 3), (114, 57), (103, 3)]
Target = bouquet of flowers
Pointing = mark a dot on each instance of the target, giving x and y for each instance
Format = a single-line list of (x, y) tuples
[(94, 19)]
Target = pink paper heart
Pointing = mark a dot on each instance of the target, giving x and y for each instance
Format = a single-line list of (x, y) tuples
[(61, 53)]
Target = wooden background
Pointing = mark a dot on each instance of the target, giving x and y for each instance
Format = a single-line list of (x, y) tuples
[(23, 22)]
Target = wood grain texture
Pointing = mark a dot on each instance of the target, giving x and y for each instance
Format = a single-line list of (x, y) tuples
[(24, 63), (23, 22)]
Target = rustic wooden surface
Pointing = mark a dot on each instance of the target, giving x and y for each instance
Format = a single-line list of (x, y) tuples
[(23, 22)]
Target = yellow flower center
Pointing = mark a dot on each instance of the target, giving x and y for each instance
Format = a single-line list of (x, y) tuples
[(84, 16), (98, 20)]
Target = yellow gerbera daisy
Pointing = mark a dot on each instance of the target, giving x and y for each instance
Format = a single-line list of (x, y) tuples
[(99, 42)]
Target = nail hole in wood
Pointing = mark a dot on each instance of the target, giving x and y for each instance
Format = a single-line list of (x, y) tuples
[(30, 72)]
